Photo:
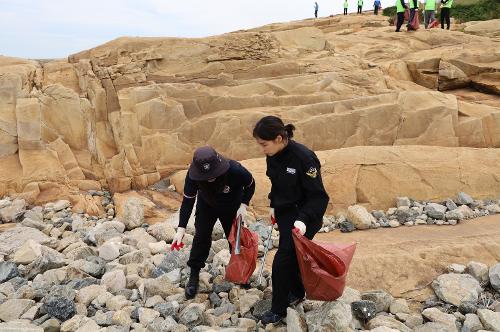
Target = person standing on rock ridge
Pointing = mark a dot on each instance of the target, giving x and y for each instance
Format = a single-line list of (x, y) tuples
[(346, 6), (400, 9), (445, 13), (298, 200), (360, 6), (316, 7), (376, 6), (223, 189), (430, 9)]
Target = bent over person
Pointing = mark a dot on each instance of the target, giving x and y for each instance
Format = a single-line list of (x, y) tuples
[(223, 189)]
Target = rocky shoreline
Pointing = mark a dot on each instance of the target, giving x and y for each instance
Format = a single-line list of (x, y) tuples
[(63, 270)]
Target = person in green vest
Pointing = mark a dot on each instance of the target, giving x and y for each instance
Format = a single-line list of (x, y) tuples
[(400, 9), (445, 13), (360, 6), (346, 5), (430, 10), (413, 9)]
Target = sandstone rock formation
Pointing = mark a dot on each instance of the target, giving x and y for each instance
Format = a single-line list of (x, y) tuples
[(402, 108)]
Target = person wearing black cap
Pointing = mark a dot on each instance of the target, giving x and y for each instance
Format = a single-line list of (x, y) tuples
[(223, 189), (298, 200)]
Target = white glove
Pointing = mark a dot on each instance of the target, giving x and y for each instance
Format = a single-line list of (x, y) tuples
[(301, 226), (271, 214), (178, 236), (242, 211)]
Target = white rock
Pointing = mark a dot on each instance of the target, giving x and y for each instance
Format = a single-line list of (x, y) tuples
[(109, 251), (222, 258), (147, 316), (456, 268), (114, 280), (490, 319), (61, 205), (456, 288), (494, 275), (27, 253), (437, 316), (133, 213), (14, 308), (158, 247), (360, 217), (478, 271)]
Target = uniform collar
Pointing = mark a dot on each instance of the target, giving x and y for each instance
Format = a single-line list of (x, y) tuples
[(283, 153)]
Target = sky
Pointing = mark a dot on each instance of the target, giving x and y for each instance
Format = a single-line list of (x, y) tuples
[(41, 29)]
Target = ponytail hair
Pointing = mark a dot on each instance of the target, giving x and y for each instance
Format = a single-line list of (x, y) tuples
[(270, 127)]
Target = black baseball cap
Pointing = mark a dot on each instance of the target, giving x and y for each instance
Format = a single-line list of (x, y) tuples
[(207, 164)]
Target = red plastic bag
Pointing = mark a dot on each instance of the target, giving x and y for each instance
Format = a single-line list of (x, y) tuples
[(433, 24), (240, 267), (323, 267), (415, 23)]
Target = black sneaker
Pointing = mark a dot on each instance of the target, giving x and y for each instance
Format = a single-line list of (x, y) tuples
[(192, 286), (294, 300), (270, 317)]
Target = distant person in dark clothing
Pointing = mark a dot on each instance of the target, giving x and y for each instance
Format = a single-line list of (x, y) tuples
[(376, 6), (400, 9), (445, 13), (316, 7)]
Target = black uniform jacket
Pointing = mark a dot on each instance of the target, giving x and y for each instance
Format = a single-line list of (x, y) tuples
[(296, 182)]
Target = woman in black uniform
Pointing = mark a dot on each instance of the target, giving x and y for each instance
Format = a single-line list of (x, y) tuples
[(224, 189), (298, 200)]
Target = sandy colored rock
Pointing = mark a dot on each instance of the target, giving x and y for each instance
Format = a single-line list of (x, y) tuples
[(131, 111)]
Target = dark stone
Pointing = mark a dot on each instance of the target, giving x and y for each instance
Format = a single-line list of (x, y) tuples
[(166, 309), (60, 308), (125, 292), (174, 260), (18, 282), (8, 270), (347, 227), (467, 307), (223, 286), (406, 215), (378, 214), (364, 310), (261, 307), (135, 314), (91, 310), (432, 301), (82, 283), (215, 299)]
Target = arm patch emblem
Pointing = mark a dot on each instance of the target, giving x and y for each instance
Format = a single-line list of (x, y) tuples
[(312, 172)]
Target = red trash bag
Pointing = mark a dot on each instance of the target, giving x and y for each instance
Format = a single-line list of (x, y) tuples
[(240, 267), (415, 23), (433, 24), (323, 267)]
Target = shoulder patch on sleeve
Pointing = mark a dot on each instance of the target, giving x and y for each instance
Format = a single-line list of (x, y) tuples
[(312, 172)]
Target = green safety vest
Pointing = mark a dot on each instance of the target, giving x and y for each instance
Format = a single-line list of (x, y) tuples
[(399, 6), (346, 4), (412, 5), (360, 2), (448, 4), (430, 5)]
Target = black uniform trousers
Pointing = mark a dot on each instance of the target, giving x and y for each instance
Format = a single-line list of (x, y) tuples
[(286, 275), (345, 11), (445, 16), (400, 21), (360, 9), (204, 223)]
